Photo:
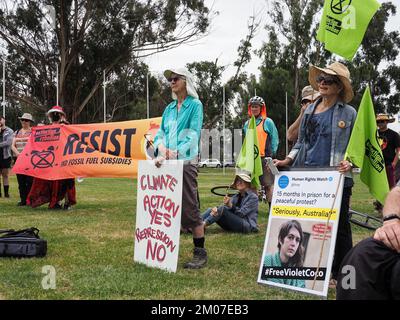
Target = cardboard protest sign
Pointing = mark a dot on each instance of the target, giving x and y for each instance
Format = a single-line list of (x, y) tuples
[(87, 150), (158, 214), (301, 234)]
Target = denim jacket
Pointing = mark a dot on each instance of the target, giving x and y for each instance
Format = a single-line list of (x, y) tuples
[(5, 144), (343, 120)]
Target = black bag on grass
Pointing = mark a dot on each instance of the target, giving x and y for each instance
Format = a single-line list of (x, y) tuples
[(22, 243)]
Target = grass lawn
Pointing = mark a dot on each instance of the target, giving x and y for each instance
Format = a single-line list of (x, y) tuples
[(91, 248)]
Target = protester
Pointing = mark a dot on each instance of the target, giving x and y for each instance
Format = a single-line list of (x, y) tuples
[(268, 140), (323, 138), (6, 137), (21, 138), (290, 252), (54, 191), (390, 145), (179, 138), (238, 214), (308, 96), (375, 261)]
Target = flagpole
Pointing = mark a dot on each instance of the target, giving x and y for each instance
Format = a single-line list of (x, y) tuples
[(148, 95), (57, 89), (3, 102), (104, 97), (287, 124), (223, 128)]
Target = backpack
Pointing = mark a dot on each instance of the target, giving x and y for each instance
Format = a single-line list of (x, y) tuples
[(24, 243)]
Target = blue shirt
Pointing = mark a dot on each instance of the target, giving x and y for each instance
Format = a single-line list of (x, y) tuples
[(270, 128), (318, 139), (180, 131), (342, 124)]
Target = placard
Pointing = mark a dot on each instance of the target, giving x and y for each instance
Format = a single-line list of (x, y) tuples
[(158, 214), (301, 234)]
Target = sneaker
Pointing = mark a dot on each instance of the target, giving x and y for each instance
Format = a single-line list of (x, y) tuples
[(21, 204), (199, 259), (56, 207), (67, 206)]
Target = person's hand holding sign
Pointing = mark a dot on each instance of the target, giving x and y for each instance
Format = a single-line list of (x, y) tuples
[(345, 166)]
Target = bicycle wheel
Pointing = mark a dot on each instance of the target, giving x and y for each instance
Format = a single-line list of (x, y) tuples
[(364, 220), (223, 190)]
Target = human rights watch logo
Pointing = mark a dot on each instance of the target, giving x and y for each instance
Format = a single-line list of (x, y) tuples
[(283, 182)]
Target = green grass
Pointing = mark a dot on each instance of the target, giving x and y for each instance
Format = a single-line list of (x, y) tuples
[(91, 249)]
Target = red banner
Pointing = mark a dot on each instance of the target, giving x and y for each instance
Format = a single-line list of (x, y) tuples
[(89, 150)]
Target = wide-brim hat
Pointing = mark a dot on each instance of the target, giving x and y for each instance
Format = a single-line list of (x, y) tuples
[(384, 117), (336, 69), (56, 109), (26, 116), (308, 93), (242, 175), (189, 78)]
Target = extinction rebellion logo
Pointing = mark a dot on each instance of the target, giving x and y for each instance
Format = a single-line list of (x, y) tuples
[(340, 6)]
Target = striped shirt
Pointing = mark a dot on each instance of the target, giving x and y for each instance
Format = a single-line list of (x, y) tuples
[(21, 139)]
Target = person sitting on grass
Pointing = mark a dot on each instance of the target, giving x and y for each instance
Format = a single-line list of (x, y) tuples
[(238, 214)]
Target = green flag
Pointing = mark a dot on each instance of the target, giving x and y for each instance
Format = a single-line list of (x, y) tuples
[(365, 151), (249, 159), (344, 23)]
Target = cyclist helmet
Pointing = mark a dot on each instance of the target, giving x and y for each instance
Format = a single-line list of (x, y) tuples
[(256, 100)]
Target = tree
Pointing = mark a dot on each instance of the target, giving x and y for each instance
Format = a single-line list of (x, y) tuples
[(295, 21), (84, 38)]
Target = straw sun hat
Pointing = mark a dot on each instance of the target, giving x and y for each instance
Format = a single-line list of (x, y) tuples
[(336, 69)]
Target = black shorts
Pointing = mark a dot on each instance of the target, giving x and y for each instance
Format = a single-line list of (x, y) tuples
[(5, 163)]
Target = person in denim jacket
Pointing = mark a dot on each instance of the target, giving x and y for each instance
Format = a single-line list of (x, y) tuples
[(324, 133), (238, 214)]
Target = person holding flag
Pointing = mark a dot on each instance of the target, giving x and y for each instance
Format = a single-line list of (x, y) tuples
[(323, 137), (268, 140)]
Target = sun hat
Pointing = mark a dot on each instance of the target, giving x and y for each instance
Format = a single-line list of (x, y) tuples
[(189, 79), (242, 175), (336, 69), (26, 116), (56, 109), (308, 93), (384, 117)]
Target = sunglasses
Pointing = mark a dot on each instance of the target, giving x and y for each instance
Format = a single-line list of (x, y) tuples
[(175, 79), (25, 120), (305, 101), (380, 121), (327, 79)]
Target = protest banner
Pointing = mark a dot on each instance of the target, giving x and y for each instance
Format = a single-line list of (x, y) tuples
[(88, 150), (301, 234), (158, 214)]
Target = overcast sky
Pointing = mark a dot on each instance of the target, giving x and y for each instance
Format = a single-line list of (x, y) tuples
[(227, 29)]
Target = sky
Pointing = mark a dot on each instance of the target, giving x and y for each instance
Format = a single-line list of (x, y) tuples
[(227, 30)]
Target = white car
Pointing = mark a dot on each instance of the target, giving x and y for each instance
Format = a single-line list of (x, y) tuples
[(210, 163)]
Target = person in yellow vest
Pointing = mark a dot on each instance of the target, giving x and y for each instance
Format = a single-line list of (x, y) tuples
[(268, 140)]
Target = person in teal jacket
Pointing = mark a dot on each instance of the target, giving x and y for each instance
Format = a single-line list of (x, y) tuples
[(290, 252)]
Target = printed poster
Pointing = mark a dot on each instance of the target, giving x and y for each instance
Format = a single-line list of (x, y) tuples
[(158, 214), (301, 234)]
